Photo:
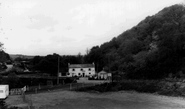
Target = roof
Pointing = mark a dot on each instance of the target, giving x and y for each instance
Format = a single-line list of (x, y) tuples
[(81, 65), (2, 86), (102, 72)]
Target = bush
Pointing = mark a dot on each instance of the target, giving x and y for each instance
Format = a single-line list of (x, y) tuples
[(146, 86)]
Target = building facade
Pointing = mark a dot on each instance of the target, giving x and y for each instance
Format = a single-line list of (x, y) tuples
[(81, 70)]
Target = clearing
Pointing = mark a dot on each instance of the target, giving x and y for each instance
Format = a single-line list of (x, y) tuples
[(110, 100)]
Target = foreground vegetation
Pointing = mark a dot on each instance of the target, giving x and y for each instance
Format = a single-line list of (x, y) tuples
[(4, 106), (162, 87)]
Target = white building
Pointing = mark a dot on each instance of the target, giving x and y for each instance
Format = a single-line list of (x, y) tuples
[(81, 70), (4, 91)]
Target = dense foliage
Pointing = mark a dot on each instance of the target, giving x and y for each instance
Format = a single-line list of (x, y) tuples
[(49, 64), (153, 49), (4, 57)]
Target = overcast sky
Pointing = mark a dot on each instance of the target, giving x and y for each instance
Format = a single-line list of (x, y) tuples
[(67, 27)]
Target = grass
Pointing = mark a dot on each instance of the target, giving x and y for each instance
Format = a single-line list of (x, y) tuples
[(4, 106)]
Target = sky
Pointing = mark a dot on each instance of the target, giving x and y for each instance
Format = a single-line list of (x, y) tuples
[(69, 27)]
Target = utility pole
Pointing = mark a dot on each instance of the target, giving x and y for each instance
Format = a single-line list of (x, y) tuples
[(109, 62), (58, 70), (109, 68)]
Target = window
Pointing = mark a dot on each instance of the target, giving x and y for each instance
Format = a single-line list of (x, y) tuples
[(81, 69), (79, 74), (89, 73), (73, 69), (89, 69)]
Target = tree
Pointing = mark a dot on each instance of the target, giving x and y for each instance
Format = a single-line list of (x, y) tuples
[(80, 58), (12, 80), (1, 46), (131, 46), (4, 57)]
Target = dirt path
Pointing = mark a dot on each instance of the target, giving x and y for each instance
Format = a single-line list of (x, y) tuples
[(111, 100)]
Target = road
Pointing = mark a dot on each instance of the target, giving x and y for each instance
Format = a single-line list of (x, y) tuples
[(110, 100)]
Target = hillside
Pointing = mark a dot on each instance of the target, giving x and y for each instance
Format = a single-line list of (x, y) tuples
[(153, 49), (14, 56)]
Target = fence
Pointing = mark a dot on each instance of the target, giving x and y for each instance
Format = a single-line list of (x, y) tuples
[(18, 91), (73, 86), (27, 96)]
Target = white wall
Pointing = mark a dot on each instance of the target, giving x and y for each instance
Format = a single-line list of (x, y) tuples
[(78, 70)]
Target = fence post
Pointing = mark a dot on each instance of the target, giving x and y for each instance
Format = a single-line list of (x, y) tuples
[(35, 90), (39, 86), (27, 88), (23, 95), (70, 87), (30, 103), (78, 86)]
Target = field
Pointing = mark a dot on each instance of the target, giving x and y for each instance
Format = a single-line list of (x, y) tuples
[(61, 99)]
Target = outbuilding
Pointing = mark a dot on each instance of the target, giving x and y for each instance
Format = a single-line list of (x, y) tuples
[(104, 75)]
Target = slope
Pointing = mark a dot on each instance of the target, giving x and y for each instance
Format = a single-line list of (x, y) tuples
[(153, 49)]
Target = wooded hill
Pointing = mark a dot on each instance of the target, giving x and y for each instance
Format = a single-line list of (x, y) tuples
[(153, 49), (17, 56)]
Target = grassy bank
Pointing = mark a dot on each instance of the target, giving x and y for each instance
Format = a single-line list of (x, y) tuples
[(162, 87)]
